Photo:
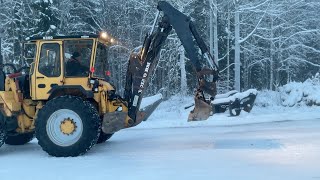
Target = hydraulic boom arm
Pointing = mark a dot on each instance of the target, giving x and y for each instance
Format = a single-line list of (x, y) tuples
[(141, 65)]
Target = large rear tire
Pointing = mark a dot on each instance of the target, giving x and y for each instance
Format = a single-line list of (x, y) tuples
[(67, 126), (19, 139), (3, 135)]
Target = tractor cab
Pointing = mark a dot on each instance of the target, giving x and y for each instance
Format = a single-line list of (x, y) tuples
[(65, 64)]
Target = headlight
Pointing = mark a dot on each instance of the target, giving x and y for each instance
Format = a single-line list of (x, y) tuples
[(103, 35)]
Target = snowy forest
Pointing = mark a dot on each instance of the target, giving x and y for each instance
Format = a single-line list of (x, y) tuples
[(261, 44)]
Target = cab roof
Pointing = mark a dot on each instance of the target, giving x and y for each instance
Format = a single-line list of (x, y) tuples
[(105, 40), (61, 37)]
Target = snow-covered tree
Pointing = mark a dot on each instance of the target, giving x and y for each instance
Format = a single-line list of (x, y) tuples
[(46, 18), (83, 17)]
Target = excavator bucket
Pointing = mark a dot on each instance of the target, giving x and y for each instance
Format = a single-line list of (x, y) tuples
[(202, 109)]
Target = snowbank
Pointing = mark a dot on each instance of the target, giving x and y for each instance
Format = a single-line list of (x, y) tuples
[(268, 98), (299, 94), (285, 104), (172, 113)]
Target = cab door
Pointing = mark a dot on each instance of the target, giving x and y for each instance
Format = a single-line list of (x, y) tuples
[(48, 69)]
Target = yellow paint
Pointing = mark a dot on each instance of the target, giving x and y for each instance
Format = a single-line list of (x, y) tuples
[(24, 123), (8, 100), (103, 102), (105, 85), (29, 107), (7, 84), (38, 107), (96, 97), (82, 81), (11, 85)]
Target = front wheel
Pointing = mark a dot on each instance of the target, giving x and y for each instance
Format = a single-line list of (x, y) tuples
[(67, 126), (3, 135), (103, 137)]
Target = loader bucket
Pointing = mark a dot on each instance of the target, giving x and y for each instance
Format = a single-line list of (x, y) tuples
[(115, 121), (202, 110), (148, 110)]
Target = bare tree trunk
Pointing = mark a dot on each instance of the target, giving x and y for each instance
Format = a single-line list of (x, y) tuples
[(228, 50), (245, 71), (211, 27), (237, 51), (183, 81), (214, 30), (215, 26), (271, 56)]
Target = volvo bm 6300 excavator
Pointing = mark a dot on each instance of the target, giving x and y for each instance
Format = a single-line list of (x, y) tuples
[(70, 112)]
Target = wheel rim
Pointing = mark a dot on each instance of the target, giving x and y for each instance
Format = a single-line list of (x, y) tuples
[(56, 127)]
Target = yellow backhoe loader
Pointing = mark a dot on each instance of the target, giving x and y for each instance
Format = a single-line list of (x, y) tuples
[(63, 99)]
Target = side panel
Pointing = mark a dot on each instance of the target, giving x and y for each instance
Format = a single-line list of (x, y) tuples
[(82, 81)]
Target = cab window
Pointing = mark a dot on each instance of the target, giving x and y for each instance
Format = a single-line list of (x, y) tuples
[(49, 64), (101, 63), (77, 57), (30, 50)]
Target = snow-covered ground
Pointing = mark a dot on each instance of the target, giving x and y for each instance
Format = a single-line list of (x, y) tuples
[(271, 142), (172, 113)]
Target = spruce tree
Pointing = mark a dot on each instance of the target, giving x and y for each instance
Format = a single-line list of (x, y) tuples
[(46, 20)]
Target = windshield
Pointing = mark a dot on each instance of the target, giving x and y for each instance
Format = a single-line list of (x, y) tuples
[(77, 54), (101, 63)]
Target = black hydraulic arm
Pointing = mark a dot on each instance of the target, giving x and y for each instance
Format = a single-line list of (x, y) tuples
[(187, 34), (141, 65)]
